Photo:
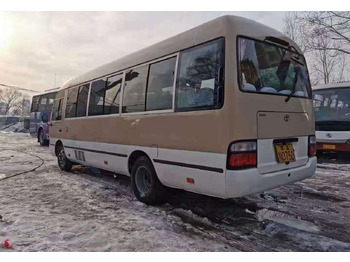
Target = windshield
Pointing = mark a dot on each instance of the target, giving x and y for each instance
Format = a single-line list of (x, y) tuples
[(267, 68), (332, 104)]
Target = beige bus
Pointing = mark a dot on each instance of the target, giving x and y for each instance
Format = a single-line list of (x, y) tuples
[(223, 109)]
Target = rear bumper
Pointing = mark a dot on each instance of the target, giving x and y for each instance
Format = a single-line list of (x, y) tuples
[(246, 182), (333, 147)]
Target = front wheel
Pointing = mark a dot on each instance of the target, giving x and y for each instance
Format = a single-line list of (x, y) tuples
[(63, 162), (145, 183)]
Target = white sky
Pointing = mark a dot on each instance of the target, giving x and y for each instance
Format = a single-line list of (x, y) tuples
[(34, 46)]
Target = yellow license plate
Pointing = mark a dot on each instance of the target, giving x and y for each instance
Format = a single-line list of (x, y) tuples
[(285, 152), (328, 146)]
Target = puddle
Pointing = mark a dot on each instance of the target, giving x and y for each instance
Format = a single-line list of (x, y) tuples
[(287, 220)]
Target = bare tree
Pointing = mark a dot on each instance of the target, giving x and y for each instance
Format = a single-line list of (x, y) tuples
[(12, 99), (294, 29), (322, 52), (334, 25)]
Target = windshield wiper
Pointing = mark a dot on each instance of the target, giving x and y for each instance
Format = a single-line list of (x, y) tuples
[(297, 71)]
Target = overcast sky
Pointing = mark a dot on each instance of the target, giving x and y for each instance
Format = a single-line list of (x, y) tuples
[(34, 46)]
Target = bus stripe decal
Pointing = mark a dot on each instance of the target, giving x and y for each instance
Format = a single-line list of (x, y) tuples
[(96, 151), (207, 168)]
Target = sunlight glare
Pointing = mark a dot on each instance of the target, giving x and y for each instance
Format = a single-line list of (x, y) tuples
[(5, 30)]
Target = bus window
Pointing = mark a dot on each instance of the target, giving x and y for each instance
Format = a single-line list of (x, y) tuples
[(160, 85), (198, 84), (35, 103), (57, 109), (268, 68), (82, 100), (42, 103), (112, 97), (134, 90), (97, 97), (50, 100), (71, 105)]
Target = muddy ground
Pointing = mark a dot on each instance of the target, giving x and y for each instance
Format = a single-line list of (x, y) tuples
[(45, 209)]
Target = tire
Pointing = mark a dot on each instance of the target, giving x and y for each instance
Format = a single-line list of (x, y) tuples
[(41, 139), (63, 162), (145, 183)]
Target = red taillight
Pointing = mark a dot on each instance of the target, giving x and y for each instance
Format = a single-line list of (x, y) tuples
[(312, 146), (242, 155), (243, 160)]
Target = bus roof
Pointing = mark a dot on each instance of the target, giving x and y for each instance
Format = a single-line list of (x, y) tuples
[(333, 85), (48, 91), (222, 26)]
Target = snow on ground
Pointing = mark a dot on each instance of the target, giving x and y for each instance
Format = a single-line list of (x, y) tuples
[(14, 127), (51, 210)]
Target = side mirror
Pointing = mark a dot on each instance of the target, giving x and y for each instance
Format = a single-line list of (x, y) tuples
[(44, 118)]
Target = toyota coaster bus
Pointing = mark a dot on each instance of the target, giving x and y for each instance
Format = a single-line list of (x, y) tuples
[(224, 109)]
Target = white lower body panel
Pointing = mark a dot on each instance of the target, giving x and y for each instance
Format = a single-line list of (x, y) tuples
[(250, 181), (173, 167)]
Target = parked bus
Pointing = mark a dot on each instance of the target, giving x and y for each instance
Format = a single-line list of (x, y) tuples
[(332, 116), (40, 115), (224, 109)]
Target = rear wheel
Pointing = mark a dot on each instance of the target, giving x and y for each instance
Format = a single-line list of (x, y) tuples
[(42, 140), (63, 162), (145, 183)]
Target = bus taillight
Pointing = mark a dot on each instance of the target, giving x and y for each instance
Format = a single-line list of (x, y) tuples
[(312, 146), (242, 154)]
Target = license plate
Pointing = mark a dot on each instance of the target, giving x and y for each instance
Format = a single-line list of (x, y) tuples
[(328, 146), (285, 152)]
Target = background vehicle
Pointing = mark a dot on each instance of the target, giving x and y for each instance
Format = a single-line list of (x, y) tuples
[(40, 115), (6, 120), (332, 115), (224, 109)]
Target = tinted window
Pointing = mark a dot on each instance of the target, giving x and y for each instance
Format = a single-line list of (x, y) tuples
[(50, 100), (71, 105), (200, 81), (57, 109), (42, 103), (35, 103), (134, 90), (113, 92), (97, 97), (160, 85), (267, 68), (82, 100)]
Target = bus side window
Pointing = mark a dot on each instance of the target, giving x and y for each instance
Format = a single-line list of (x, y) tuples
[(160, 85), (199, 84), (42, 103), (57, 109), (71, 105), (35, 103), (113, 92), (97, 94), (50, 100), (82, 100), (135, 89)]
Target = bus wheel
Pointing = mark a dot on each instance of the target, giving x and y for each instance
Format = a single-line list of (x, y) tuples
[(145, 183), (42, 140), (63, 162)]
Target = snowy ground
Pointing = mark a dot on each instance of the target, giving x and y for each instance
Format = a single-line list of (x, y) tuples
[(50, 210)]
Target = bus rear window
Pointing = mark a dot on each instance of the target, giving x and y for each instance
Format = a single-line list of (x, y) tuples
[(268, 68)]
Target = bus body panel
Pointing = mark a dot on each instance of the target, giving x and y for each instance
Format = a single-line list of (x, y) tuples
[(250, 181)]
